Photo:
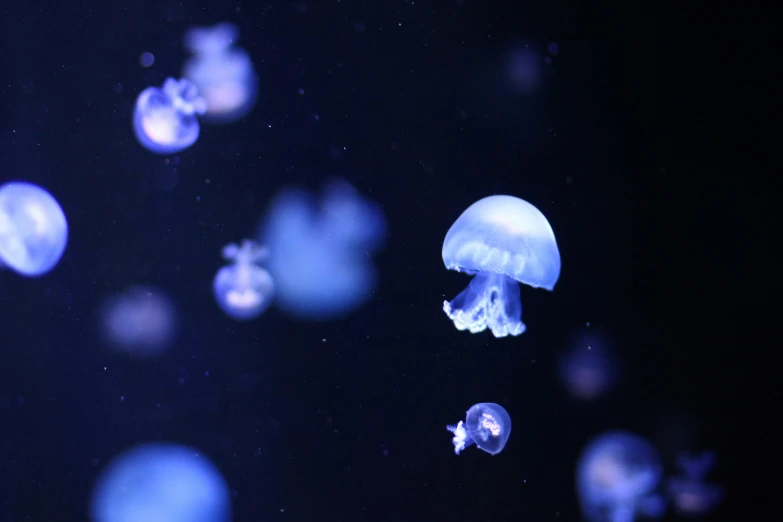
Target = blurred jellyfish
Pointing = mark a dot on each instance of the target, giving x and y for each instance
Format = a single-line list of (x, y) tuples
[(692, 496), (140, 321), (33, 229), (501, 240), (320, 255), (616, 479), (165, 120), (243, 289), (223, 74), (524, 69), (587, 370), (162, 483), (487, 424)]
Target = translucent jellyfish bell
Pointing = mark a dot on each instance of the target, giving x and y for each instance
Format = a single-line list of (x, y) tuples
[(503, 240), (616, 479), (33, 229), (692, 495), (243, 289), (165, 120), (141, 321), (486, 424), (223, 74)]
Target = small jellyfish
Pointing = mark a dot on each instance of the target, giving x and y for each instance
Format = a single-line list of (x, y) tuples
[(616, 479), (243, 289), (165, 120), (502, 240), (33, 229), (140, 321), (588, 370), (487, 424), (691, 494), (223, 74)]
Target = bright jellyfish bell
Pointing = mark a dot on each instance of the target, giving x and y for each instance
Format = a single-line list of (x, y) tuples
[(33, 229), (243, 289), (165, 120), (502, 240), (486, 424)]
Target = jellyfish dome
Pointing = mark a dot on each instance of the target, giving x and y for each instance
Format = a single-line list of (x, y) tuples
[(487, 425), (243, 290), (502, 241), (162, 483), (140, 321), (616, 479), (33, 229)]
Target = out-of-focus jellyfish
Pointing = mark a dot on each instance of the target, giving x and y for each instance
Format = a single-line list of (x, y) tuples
[(140, 321), (160, 482), (691, 495), (501, 240), (165, 120), (223, 74), (320, 255), (587, 370), (33, 229), (486, 424), (616, 479), (243, 289)]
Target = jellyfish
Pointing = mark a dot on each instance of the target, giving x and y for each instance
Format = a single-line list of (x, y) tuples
[(33, 229), (140, 321), (501, 240), (243, 290), (587, 370), (165, 120), (691, 494), (163, 482), (321, 251), (223, 74), (616, 479), (487, 424)]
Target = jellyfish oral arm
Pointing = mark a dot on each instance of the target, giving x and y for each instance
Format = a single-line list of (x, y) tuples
[(492, 301), (461, 438)]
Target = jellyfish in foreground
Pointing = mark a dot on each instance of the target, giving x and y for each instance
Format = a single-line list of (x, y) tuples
[(33, 229), (243, 290), (140, 321), (320, 253), (165, 120), (501, 240), (223, 74), (616, 479), (486, 424), (691, 494), (160, 482)]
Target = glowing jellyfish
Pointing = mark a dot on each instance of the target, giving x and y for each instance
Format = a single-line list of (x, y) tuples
[(616, 479), (321, 254), (486, 424), (140, 321), (33, 229), (502, 240), (691, 494), (223, 74), (163, 483), (243, 289), (587, 370), (165, 120)]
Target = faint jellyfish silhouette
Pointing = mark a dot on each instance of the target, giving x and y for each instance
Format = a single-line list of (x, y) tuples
[(165, 120), (320, 255), (587, 369), (223, 74), (486, 424), (140, 321), (33, 229), (243, 290), (692, 496), (502, 240), (161, 482), (524, 69), (616, 479)]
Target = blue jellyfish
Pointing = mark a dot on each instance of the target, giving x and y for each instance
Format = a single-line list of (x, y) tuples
[(616, 479), (501, 240), (320, 254), (162, 482), (243, 289), (223, 74), (487, 424), (33, 229), (588, 370), (691, 494), (165, 120), (141, 321)]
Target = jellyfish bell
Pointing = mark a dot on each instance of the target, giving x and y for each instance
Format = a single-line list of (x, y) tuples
[(502, 241), (33, 229), (487, 425), (140, 321), (243, 289)]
